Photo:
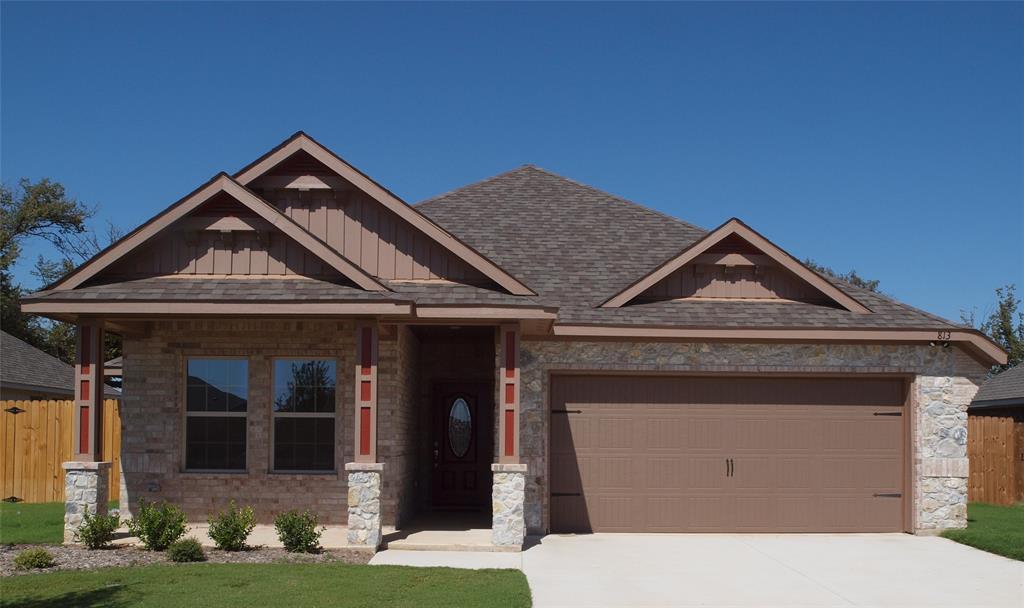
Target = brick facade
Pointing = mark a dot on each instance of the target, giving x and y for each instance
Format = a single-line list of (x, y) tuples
[(945, 380), (152, 416)]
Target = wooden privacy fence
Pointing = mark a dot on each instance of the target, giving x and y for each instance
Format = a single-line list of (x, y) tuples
[(35, 438), (995, 447)]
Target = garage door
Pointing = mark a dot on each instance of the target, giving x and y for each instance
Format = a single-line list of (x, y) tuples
[(726, 454)]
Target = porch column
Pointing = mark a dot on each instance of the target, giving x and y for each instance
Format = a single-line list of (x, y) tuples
[(508, 396), (364, 475), (86, 478), (508, 492)]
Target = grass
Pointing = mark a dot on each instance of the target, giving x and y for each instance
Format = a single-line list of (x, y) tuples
[(247, 585), (33, 523), (993, 528)]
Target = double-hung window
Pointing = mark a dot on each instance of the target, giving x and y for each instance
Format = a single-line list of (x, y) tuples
[(304, 412), (216, 402)]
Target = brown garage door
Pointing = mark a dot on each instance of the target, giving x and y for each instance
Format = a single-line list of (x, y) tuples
[(725, 454)]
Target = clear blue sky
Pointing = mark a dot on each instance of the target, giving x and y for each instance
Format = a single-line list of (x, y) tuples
[(883, 137)]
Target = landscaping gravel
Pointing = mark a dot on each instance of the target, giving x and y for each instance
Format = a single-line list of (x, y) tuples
[(80, 558)]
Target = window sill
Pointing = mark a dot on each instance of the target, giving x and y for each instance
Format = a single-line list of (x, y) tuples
[(199, 474), (303, 474)]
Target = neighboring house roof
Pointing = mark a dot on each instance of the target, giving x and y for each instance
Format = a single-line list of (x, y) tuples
[(1002, 390), (25, 367), (571, 256)]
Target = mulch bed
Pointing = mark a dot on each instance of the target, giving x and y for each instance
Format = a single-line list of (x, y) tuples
[(69, 557)]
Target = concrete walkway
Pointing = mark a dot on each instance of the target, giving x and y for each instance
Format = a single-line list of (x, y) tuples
[(763, 570), (880, 570)]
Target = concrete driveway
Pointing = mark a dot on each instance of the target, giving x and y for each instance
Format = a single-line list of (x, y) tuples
[(768, 570)]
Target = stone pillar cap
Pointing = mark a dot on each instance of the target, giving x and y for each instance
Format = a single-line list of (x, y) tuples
[(85, 465), (508, 468), (364, 466)]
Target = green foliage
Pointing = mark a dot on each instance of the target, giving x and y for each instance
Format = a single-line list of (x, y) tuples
[(993, 528), (31, 559), (157, 525), (230, 528), (850, 277), (186, 550), (1005, 325), (97, 531), (298, 532), (41, 209)]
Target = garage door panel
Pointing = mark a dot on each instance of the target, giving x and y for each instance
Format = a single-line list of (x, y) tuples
[(651, 454)]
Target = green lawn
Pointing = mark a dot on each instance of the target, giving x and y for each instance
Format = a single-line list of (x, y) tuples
[(246, 585), (994, 529), (28, 523)]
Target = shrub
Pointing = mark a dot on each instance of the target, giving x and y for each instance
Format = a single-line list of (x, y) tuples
[(30, 559), (298, 532), (157, 526), (186, 550), (230, 528), (97, 531)]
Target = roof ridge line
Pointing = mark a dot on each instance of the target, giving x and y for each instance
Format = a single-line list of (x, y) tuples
[(473, 184), (618, 198)]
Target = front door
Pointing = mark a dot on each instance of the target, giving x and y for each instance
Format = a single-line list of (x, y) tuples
[(462, 445)]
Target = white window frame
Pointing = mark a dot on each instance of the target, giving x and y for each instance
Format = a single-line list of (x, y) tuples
[(226, 414), (274, 415)]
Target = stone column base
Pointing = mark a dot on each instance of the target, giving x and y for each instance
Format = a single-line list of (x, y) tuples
[(86, 490), (508, 495), (364, 517)]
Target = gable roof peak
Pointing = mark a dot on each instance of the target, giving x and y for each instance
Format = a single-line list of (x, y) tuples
[(734, 227)]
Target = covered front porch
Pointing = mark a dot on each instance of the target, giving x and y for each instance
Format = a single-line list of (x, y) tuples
[(393, 433)]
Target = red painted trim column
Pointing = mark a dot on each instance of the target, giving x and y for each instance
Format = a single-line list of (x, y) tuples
[(88, 425), (508, 394), (367, 338)]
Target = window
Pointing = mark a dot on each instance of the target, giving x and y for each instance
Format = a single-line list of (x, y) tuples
[(216, 400), (304, 404)]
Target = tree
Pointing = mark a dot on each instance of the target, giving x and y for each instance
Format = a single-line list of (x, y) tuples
[(1005, 325), (43, 210), (850, 277), (32, 210)]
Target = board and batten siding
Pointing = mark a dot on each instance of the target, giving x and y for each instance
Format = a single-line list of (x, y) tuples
[(714, 281), (372, 237)]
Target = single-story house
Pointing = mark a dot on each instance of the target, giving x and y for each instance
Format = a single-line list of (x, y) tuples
[(995, 445), (296, 336), (29, 374)]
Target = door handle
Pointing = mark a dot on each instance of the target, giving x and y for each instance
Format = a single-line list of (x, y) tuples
[(730, 467)]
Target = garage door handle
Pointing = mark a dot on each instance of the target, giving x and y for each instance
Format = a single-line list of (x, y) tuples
[(887, 414), (566, 411), (888, 495)]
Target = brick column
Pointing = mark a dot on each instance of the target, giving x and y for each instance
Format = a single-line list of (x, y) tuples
[(508, 495), (364, 513), (86, 490)]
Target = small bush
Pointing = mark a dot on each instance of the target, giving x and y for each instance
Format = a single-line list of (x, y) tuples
[(97, 531), (230, 528), (31, 559), (186, 550), (298, 532), (157, 526)]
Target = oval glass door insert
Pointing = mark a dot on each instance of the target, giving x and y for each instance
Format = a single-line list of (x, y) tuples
[(460, 427)]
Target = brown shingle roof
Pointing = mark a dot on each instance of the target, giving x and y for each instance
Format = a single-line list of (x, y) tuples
[(576, 246)]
